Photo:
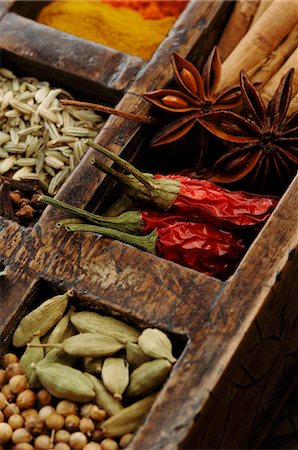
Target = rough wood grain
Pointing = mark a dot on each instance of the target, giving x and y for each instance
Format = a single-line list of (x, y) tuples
[(232, 356)]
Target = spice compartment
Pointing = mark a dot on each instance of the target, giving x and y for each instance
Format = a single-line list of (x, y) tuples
[(42, 290)]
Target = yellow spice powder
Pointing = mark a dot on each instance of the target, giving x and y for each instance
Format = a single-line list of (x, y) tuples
[(121, 28)]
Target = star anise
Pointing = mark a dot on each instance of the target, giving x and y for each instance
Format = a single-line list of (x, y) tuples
[(267, 140), (197, 95)]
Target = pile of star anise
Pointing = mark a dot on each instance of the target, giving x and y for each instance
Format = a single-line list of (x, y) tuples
[(258, 149)]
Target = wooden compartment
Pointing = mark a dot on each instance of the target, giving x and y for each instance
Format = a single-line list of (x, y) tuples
[(241, 334)]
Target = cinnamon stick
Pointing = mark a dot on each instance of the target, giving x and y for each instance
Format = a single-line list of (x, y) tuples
[(276, 58), (293, 105), (238, 24), (265, 35), (262, 7), (268, 90)]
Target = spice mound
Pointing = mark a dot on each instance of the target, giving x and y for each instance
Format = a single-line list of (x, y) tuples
[(121, 27), (84, 381), (40, 139)]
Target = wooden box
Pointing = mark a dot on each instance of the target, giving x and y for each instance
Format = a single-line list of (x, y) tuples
[(238, 338)]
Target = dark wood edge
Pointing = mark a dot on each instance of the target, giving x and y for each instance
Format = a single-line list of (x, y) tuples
[(69, 54)]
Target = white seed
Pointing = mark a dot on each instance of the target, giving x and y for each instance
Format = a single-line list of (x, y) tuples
[(21, 106), (21, 173), (7, 164)]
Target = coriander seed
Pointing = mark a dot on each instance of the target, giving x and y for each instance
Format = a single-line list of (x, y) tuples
[(26, 399), (72, 423), (66, 407), (14, 369), (77, 440), (18, 383), (86, 426), (45, 411), (9, 358), (3, 378), (43, 398), (3, 401), (62, 436), (125, 440), (16, 421), (42, 442), (5, 433), (21, 435), (109, 444)]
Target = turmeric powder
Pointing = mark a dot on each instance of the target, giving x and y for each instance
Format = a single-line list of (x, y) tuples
[(122, 28)]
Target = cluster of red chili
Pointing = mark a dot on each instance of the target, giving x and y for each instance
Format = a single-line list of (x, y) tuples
[(192, 219)]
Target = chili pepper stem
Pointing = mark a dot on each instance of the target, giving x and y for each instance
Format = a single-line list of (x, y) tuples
[(147, 242), (122, 163), (129, 221)]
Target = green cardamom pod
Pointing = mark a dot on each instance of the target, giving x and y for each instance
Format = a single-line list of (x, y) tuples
[(92, 365), (156, 344), (32, 355), (56, 355), (41, 319), (88, 344), (65, 382), (135, 355), (103, 398), (129, 419), (115, 376), (90, 322), (148, 377), (63, 330)]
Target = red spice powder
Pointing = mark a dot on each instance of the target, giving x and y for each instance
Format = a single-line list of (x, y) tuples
[(152, 9)]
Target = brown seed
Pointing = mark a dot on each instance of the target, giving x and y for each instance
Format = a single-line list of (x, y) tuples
[(3, 378), (16, 421), (109, 444), (3, 401), (62, 446), (5, 433), (42, 442), (189, 80), (66, 408), (23, 446), (173, 101), (125, 440), (34, 424), (45, 411), (72, 423), (62, 436), (43, 398), (1, 417), (7, 392), (11, 409), (21, 435), (54, 421), (9, 358), (97, 436), (18, 383), (14, 369), (29, 413), (86, 426), (92, 446), (77, 440), (26, 399)]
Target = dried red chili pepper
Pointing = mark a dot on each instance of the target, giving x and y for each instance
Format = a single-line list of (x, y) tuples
[(136, 222), (196, 199), (197, 246)]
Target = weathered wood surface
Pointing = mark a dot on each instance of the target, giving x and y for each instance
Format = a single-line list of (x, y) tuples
[(218, 395)]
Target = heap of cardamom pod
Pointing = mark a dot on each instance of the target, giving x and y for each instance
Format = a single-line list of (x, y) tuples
[(85, 381)]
